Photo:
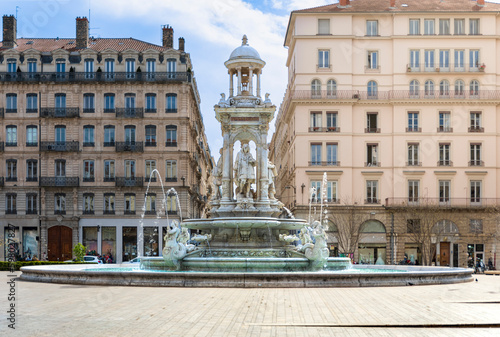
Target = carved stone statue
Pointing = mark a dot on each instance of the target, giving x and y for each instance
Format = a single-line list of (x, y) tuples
[(271, 173), (218, 175), (244, 174)]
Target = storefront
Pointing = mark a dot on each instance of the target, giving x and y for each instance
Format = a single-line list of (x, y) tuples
[(21, 239), (372, 243)]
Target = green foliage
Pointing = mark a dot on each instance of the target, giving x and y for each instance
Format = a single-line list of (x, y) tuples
[(79, 251)]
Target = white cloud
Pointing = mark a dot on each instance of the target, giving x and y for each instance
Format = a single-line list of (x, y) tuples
[(303, 4)]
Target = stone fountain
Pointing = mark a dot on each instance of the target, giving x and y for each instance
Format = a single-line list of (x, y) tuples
[(244, 231)]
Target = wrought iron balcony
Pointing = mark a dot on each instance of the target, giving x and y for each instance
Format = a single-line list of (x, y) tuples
[(171, 180), (476, 163), (59, 181), (71, 77), (324, 163), (129, 112), (433, 67), (2, 181), (476, 129), (72, 146), (31, 211), (31, 144), (326, 129), (2, 147), (1, 113), (129, 146), (442, 202), (129, 182), (445, 163), (60, 112), (171, 143), (372, 201), (372, 130), (413, 129)]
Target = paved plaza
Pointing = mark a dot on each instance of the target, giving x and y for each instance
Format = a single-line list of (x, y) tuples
[(42, 309)]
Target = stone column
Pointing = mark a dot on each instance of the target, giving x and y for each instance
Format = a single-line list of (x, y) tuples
[(258, 84), (227, 168), (239, 82), (250, 81), (231, 89), (263, 167)]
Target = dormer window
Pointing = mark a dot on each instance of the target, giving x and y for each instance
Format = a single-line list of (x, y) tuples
[(11, 65)]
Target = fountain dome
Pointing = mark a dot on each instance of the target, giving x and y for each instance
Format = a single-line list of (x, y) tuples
[(245, 52)]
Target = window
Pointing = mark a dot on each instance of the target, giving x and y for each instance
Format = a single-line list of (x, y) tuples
[(444, 191), (129, 203), (171, 135), (444, 26), (459, 88), (109, 103), (130, 67), (89, 68), (60, 104), (476, 227), (31, 103), (429, 60), (459, 60), (60, 203), (171, 174), (60, 131), (61, 68), (316, 88), (316, 117), (372, 155), (31, 170), (413, 190), (88, 171), (31, 135), (11, 65), (415, 60), (130, 101), (444, 122), (171, 67), (31, 204), (109, 135), (323, 26), (11, 203), (151, 203), (315, 154), (413, 226), (474, 26), (372, 122), (323, 59), (150, 167), (88, 103), (459, 26), (331, 191), (11, 170), (331, 88), (413, 122), (414, 27), (60, 167), (414, 89), (444, 154), (331, 121), (372, 60), (109, 170), (475, 191), (151, 68), (171, 103), (413, 158), (11, 103), (444, 60), (11, 131), (429, 89), (130, 168), (475, 122), (474, 60), (444, 88), (150, 102), (429, 27), (371, 27), (88, 203), (475, 155), (474, 89), (109, 203), (109, 68), (171, 204), (130, 134), (371, 192), (150, 135), (372, 90), (88, 135), (331, 154), (315, 191)]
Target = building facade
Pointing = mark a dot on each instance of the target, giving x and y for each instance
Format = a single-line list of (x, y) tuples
[(397, 101), (85, 122)]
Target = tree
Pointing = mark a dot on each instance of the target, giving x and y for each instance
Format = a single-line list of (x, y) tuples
[(79, 251)]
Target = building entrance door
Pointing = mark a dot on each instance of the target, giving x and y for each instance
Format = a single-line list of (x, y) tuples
[(444, 253), (59, 243)]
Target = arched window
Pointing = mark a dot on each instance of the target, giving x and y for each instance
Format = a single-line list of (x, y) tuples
[(445, 227), (459, 88), (331, 88), (474, 88), (372, 89), (372, 226), (315, 88), (414, 89), (444, 88), (429, 88)]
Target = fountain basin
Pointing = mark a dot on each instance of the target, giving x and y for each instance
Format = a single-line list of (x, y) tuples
[(244, 223)]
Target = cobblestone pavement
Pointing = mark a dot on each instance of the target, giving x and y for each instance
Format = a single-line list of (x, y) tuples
[(42, 309)]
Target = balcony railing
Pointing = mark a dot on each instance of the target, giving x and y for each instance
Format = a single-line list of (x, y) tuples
[(129, 146), (444, 129), (171, 180), (324, 129), (413, 129), (372, 201), (1, 112), (109, 179), (31, 211), (60, 112), (2, 181), (157, 77), (372, 130), (72, 146), (476, 163), (414, 163), (476, 129), (2, 147), (442, 202), (433, 67), (129, 112), (445, 163), (129, 182), (59, 182), (171, 143), (372, 164), (324, 163)]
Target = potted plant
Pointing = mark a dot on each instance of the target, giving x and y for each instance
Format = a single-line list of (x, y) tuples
[(481, 67)]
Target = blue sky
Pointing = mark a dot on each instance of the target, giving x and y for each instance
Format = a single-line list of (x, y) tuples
[(212, 30)]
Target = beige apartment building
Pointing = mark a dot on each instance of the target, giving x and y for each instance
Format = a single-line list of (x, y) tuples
[(84, 123), (397, 101)]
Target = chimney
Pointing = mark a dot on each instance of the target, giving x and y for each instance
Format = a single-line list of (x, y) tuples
[(181, 44), (343, 3), (82, 32), (480, 3), (168, 37), (393, 4), (9, 31)]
